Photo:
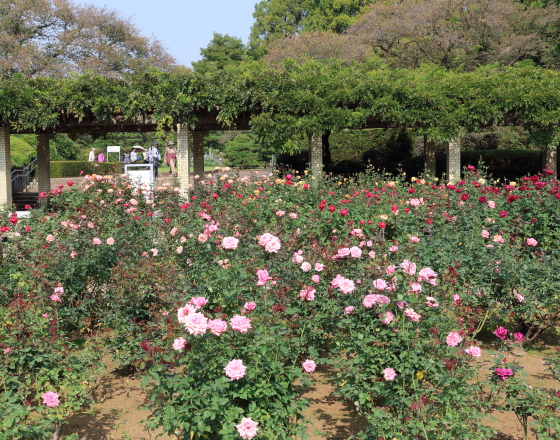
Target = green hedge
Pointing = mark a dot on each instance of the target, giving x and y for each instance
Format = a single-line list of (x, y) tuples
[(75, 168), (21, 153), (503, 164)]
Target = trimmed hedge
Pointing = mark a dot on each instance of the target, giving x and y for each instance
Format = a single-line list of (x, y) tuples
[(75, 168), (21, 153), (503, 164)]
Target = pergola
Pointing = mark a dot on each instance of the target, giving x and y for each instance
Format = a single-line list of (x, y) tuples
[(190, 140)]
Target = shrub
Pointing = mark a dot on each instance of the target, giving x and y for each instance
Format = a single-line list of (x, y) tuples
[(76, 168), (21, 153)]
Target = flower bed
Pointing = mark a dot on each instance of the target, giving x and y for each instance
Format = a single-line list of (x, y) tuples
[(227, 301)]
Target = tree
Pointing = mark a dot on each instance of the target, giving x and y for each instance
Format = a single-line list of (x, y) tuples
[(317, 45), (243, 152), (459, 33), (220, 52), (58, 37), (277, 19)]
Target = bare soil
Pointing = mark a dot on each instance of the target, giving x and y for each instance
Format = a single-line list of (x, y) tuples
[(119, 411)]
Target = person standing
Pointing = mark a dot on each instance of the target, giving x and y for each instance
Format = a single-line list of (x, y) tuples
[(171, 157), (133, 156), (101, 157), (91, 157), (154, 157)]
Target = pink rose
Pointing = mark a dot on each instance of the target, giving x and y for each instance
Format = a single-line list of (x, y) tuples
[(154, 252), (230, 243), (532, 242), (309, 366), (519, 336), (501, 333), (183, 312), (263, 277), (305, 266), (412, 315), (485, 233), (370, 300), (50, 399), (179, 344), (474, 351), (50, 238), (280, 213), (498, 238), (250, 305), (388, 318), (390, 269), (240, 323), (355, 252), (179, 250), (110, 241), (55, 297), (427, 274), (315, 278), (273, 245), (415, 288), (519, 297), (414, 239), (491, 204), (389, 374), (265, 238), (217, 326), (307, 294), (453, 339), (198, 301), (292, 215), (319, 267), (343, 252), (380, 284), (348, 310), (235, 369), (408, 267), (247, 428), (196, 323)]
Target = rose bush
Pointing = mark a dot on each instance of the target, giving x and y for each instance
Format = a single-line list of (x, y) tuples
[(390, 281)]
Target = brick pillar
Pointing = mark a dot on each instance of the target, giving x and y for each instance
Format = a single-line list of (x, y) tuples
[(5, 168), (315, 157), (550, 158), (454, 159), (198, 155), (43, 165), (429, 157), (183, 158)]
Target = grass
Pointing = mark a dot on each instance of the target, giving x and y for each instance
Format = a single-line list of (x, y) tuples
[(20, 152)]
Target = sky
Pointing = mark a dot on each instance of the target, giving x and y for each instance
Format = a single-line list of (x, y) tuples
[(185, 26)]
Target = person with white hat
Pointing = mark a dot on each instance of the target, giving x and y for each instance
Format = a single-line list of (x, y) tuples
[(91, 157)]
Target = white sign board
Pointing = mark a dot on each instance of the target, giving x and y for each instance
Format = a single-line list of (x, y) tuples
[(114, 149), (142, 177)]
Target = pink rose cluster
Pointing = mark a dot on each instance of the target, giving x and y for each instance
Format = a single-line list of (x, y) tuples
[(270, 242), (345, 285), (474, 351), (372, 299), (58, 290), (307, 294)]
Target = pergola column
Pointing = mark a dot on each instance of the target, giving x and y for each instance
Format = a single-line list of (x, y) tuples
[(550, 158), (429, 156), (454, 159), (43, 166), (198, 155), (183, 158), (315, 157), (5, 168)]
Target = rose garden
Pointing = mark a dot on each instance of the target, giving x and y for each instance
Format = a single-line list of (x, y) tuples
[(225, 302)]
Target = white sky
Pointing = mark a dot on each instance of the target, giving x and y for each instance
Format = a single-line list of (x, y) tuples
[(184, 27)]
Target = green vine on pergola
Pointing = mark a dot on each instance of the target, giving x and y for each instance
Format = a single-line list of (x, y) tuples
[(299, 100)]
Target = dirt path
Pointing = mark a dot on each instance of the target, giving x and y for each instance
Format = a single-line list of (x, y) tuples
[(119, 412)]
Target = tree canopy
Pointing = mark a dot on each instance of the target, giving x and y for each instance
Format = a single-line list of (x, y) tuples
[(58, 37), (460, 33), (222, 51)]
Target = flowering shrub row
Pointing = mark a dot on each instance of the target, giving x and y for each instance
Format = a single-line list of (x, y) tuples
[(228, 300)]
